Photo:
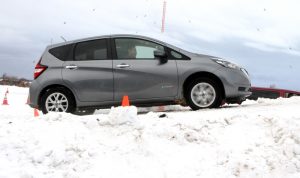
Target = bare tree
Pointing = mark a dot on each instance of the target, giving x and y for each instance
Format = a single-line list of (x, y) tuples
[(13, 80)]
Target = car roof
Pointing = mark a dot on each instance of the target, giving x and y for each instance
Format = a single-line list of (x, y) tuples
[(185, 52), (109, 36)]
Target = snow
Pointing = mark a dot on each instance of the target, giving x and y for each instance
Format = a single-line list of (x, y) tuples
[(256, 139)]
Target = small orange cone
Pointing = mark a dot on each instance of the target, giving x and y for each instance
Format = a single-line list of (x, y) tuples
[(5, 102), (36, 112), (125, 101)]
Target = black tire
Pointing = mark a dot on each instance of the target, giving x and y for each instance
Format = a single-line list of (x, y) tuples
[(214, 103), (63, 91)]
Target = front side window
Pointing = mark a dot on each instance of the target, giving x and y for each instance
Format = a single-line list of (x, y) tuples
[(128, 48), (91, 50)]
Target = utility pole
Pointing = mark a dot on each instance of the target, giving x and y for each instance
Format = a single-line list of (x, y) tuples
[(163, 17)]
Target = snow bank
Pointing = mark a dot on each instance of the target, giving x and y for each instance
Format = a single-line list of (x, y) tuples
[(256, 139), (122, 115)]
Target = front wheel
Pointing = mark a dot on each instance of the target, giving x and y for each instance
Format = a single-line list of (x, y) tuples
[(203, 93), (57, 100)]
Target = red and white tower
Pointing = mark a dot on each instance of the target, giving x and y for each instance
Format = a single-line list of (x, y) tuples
[(163, 17)]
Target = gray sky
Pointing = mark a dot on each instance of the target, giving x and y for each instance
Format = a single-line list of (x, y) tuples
[(261, 35)]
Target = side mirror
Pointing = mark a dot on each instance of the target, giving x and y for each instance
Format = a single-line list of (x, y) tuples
[(159, 54), (162, 55)]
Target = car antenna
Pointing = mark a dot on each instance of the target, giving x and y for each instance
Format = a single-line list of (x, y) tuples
[(63, 38)]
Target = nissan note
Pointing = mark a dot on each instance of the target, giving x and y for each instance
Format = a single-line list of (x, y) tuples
[(97, 72)]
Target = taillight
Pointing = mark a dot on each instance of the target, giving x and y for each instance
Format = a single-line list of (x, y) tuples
[(39, 69)]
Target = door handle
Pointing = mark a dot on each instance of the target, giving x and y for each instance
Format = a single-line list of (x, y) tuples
[(72, 67), (123, 65)]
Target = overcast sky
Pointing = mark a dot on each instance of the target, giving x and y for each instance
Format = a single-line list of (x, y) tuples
[(261, 35)]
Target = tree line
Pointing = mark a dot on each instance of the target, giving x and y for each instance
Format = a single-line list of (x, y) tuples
[(14, 81)]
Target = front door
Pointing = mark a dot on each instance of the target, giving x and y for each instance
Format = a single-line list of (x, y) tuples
[(138, 74)]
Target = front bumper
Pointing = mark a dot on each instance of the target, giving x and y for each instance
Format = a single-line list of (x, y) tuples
[(236, 83)]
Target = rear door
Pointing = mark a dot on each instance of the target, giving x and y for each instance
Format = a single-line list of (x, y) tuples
[(90, 72), (138, 74)]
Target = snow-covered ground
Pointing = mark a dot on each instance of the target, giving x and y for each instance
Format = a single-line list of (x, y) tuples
[(256, 139)]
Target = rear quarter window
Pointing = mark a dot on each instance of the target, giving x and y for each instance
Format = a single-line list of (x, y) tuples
[(61, 52)]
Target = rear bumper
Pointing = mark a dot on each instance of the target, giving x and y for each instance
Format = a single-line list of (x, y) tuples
[(34, 94)]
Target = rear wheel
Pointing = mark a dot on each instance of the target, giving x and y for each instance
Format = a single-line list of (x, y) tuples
[(203, 93), (57, 100)]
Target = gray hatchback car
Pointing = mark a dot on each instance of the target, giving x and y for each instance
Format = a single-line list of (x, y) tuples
[(97, 72)]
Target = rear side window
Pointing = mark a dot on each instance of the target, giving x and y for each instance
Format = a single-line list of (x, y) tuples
[(91, 50), (61, 52)]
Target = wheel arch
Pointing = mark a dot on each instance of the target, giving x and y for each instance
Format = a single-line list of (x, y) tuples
[(203, 75), (45, 89)]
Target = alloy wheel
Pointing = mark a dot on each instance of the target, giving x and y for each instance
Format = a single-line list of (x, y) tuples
[(203, 94), (56, 102)]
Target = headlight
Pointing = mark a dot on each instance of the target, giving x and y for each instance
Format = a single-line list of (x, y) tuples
[(245, 72), (225, 63)]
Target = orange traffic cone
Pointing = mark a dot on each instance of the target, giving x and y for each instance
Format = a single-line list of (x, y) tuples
[(125, 101), (36, 112), (5, 102)]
